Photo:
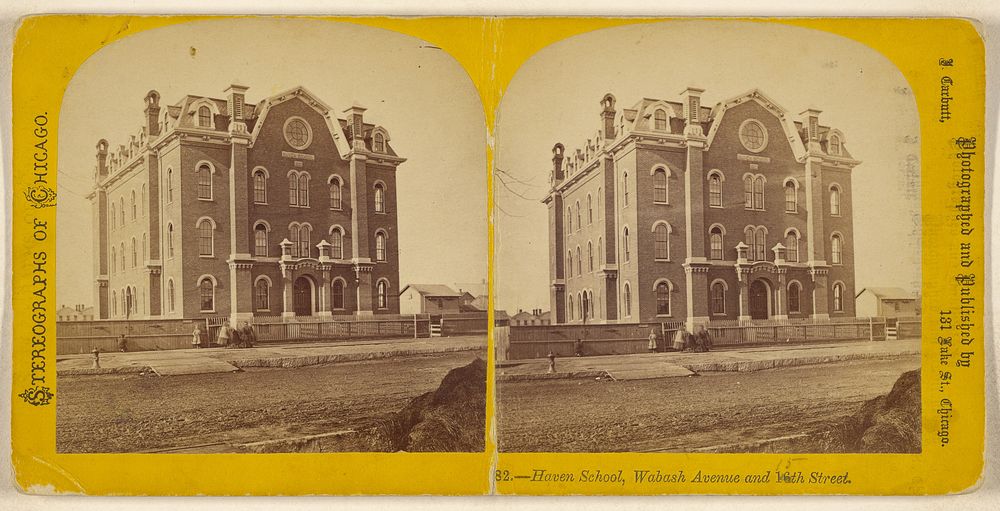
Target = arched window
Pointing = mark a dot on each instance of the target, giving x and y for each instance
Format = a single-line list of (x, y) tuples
[(379, 198), (715, 191), (579, 223), (293, 236), (260, 240), (132, 203), (715, 243), (835, 200), (378, 143), (303, 189), (170, 295), (834, 145), (569, 307), (792, 247), (204, 181), (662, 299), (836, 249), (661, 242), (170, 240), (204, 117), (122, 254), (660, 119), (590, 209), (206, 235), (758, 193), (121, 207), (627, 300), (791, 197), (305, 247), (590, 256), (206, 289), (600, 198), (625, 245), (135, 254), (581, 304), (579, 261), (382, 289), (336, 194), (748, 192), (143, 204), (625, 188), (569, 263), (338, 294), (660, 186), (170, 185), (114, 303), (113, 216), (380, 246), (600, 250), (761, 245), (718, 293), (793, 297), (145, 244), (569, 221), (838, 297), (293, 189), (260, 187), (337, 244), (262, 293), (114, 260)]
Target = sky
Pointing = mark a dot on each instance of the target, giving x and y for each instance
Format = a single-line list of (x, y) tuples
[(554, 98), (419, 93)]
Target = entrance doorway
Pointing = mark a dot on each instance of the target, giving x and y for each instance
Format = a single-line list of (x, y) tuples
[(760, 300), (303, 291)]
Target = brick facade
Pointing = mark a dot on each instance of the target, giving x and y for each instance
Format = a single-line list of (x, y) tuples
[(667, 181), (242, 210)]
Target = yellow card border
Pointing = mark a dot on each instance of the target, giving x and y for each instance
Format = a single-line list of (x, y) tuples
[(49, 49)]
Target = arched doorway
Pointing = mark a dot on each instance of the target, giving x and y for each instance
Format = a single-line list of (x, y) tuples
[(303, 291), (760, 299)]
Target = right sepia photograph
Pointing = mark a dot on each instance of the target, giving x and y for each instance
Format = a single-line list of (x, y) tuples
[(708, 239)]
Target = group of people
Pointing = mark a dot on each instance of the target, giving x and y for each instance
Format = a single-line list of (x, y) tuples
[(229, 337), (701, 341)]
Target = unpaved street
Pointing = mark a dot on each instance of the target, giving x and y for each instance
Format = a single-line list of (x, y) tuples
[(689, 412), (131, 413)]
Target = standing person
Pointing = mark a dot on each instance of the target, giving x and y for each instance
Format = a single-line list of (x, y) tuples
[(196, 337), (248, 335), (225, 334), (652, 340), (704, 338), (680, 338), (578, 348), (122, 343)]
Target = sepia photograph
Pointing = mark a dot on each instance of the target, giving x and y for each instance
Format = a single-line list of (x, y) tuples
[(272, 237), (708, 239)]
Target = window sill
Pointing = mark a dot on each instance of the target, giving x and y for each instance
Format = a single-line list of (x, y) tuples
[(715, 207), (204, 256), (667, 203), (259, 203), (298, 206), (206, 199), (661, 260), (792, 212), (207, 311), (664, 315), (381, 212)]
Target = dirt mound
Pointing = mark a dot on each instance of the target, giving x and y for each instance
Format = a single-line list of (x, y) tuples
[(889, 423), (449, 419)]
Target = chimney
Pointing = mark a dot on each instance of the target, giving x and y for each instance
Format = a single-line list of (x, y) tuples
[(356, 121), (557, 163), (235, 100), (153, 113), (692, 111), (810, 119), (608, 114), (102, 159)]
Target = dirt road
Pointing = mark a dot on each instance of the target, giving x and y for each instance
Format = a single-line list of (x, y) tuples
[(131, 413), (687, 413)]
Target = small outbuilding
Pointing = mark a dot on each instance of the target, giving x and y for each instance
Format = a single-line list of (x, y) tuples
[(887, 302)]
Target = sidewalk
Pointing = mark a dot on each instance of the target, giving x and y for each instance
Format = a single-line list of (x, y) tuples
[(673, 364), (220, 360)]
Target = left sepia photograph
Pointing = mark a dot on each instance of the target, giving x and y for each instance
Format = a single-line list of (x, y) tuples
[(271, 237)]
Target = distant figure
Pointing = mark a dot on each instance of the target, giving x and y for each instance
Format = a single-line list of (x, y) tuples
[(552, 362), (247, 334), (196, 337), (652, 340), (225, 333), (680, 338), (578, 348), (122, 343), (704, 339)]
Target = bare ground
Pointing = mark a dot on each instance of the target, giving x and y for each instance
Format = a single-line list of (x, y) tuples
[(131, 413), (684, 414)]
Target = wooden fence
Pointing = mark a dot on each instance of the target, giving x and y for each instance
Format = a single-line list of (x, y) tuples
[(616, 339)]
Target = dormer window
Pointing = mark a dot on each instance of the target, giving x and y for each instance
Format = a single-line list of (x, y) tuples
[(660, 120), (204, 117), (835, 145), (378, 143)]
